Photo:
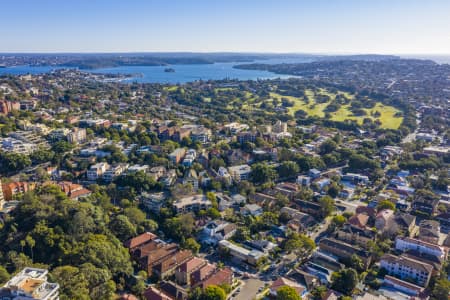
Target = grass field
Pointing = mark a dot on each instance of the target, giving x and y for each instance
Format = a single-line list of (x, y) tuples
[(387, 117)]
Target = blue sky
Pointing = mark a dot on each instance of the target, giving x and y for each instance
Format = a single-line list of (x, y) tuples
[(315, 26)]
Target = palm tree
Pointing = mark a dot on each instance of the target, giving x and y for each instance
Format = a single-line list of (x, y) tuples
[(31, 243)]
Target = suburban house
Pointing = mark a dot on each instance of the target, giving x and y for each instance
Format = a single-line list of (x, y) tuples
[(281, 282)]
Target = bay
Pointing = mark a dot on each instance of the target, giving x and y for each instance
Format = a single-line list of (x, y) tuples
[(182, 74)]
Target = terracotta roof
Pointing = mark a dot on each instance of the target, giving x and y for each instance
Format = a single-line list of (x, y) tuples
[(152, 293), (139, 240), (128, 297), (385, 214), (370, 211), (281, 281), (173, 261), (79, 193), (202, 273), (359, 220), (222, 276), (332, 295), (159, 254), (192, 264)]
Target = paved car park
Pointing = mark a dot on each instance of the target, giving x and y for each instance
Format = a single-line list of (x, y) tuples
[(249, 290)]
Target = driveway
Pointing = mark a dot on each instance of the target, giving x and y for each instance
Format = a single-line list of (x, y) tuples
[(249, 290)]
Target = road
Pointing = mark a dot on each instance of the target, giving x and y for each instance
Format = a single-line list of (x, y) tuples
[(412, 136), (322, 229), (249, 290)]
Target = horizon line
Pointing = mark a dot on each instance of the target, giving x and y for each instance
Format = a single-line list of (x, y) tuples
[(220, 52)]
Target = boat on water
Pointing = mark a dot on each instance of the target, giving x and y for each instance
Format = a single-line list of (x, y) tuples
[(169, 70)]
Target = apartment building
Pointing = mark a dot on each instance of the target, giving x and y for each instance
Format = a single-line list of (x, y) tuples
[(77, 136), (192, 203), (176, 156), (29, 284), (239, 173), (96, 171), (14, 190), (407, 268), (407, 243)]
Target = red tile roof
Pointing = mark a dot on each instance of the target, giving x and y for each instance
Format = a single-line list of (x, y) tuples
[(281, 281), (359, 220), (152, 293), (192, 264), (140, 240), (222, 276)]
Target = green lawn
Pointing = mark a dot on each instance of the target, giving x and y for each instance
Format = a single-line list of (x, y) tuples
[(387, 118)]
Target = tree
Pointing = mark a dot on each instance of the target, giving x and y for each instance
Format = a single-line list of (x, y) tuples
[(441, 289), (326, 206), (99, 281), (319, 292), (359, 162), (334, 189), (385, 204), (213, 213), (41, 155), (327, 147), (299, 243), (338, 221), (106, 253), (216, 163), (62, 147), (262, 173), (73, 284), (212, 197), (287, 293), (180, 227), (213, 292), (135, 215), (12, 162), (344, 281), (122, 227), (140, 181), (356, 263), (4, 275), (191, 244), (288, 169)]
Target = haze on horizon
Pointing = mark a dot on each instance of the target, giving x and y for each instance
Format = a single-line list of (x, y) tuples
[(283, 26)]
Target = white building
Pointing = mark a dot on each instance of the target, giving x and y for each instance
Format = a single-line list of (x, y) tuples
[(406, 243), (215, 231), (96, 171), (223, 174), (405, 267), (239, 173), (153, 201), (30, 283), (192, 203), (279, 127), (18, 146), (113, 172), (59, 134), (77, 136), (242, 254)]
